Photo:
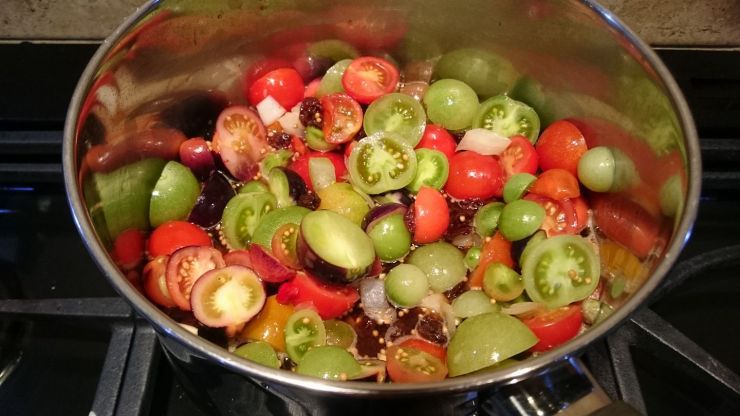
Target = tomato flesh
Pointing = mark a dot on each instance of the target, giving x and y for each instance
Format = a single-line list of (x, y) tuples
[(413, 365), (433, 349), (128, 249), (300, 166), (240, 140), (330, 301), (155, 282), (342, 118), (473, 175), (431, 216), (495, 250), (519, 157), (285, 85), (368, 78), (555, 327), (556, 184), (173, 235), (560, 216), (185, 267)]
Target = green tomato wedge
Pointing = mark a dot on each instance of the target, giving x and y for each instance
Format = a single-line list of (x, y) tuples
[(486, 219), (432, 169), (174, 195), (561, 270), (330, 363), (333, 49), (304, 330), (502, 283), (485, 340), (472, 303), (596, 169), (341, 198), (520, 219), (260, 352), (508, 117), (340, 334), (381, 162), (275, 219), (487, 73), (120, 199), (517, 186), (406, 285), (399, 113), (443, 264), (451, 104), (242, 214), (332, 80)]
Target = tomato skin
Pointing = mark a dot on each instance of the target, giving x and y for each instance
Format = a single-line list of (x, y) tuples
[(473, 175), (556, 184), (155, 282), (260, 68), (581, 208), (173, 235), (185, 266), (426, 346), (561, 146), (128, 249), (519, 157), (300, 166), (438, 138), (560, 216), (329, 301), (238, 258), (495, 250), (285, 85), (368, 78), (554, 327), (431, 216), (401, 372), (626, 222)]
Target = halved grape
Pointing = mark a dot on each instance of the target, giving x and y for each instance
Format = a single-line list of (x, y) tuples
[(333, 49), (472, 258), (341, 198), (487, 218), (451, 104), (330, 363), (472, 303), (406, 285), (443, 264), (397, 113), (260, 352), (340, 334)]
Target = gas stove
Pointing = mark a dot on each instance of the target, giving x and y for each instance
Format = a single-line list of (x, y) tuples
[(69, 345)]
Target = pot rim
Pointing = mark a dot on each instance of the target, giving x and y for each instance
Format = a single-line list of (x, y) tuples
[(167, 327)]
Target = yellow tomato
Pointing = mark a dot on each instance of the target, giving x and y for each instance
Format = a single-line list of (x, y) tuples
[(269, 324)]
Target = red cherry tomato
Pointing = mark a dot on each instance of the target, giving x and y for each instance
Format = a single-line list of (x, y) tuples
[(285, 85), (173, 235), (495, 250), (626, 222), (581, 208), (369, 78), (238, 258), (413, 365), (128, 249), (240, 140), (330, 301), (431, 216), (554, 327), (473, 175), (556, 184), (260, 68), (426, 346), (561, 146), (342, 118), (438, 138), (155, 282), (185, 267), (560, 216), (300, 166), (519, 157)]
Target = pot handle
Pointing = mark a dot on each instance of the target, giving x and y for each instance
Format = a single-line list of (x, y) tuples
[(567, 388)]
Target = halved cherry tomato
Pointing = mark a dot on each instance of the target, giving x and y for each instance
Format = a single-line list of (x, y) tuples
[(238, 258), (342, 118), (330, 301), (283, 245), (185, 267), (300, 166), (495, 250), (473, 175), (438, 138), (426, 346), (554, 327), (431, 216), (560, 216), (173, 235), (269, 324), (412, 365), (581, 208), (260, 68), (240, 140), (285, 85), (626, 222), (311, 88), (561, 146), (155, 282), (369, 78), (556, 184), (128, 249), (267, 267), (519, 157)]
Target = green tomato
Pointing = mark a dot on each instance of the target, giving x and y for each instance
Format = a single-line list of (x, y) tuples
[(472, 303), (391, 238), (304, 330), (381, 162), (502, 283), (341, 198), (332, 80), (432, 170), (508, 117), (406, 285), (520, 219), (330, 363), (260, 352), (174, 195), (487, 218), (443, 264), (517, 186), (397, 113), (596, 169), (242, 215), (275, 219), (451, 104), (487, 73)]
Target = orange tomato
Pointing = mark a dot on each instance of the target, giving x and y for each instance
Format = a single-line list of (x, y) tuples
[(269, 324)]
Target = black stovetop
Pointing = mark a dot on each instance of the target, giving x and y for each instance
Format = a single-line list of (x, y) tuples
[(69, 345)]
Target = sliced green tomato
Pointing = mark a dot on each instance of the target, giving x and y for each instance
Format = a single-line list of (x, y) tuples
[(561, 270), (279, 186), (174, 194), (472, 303), (333, 49), (253, 186), (397, 113), (341, 198), (260, 352), (520, 219), (279, 158), (330, 363), (535, 239), (487, 218), (517, 186), (508, 117), (488, 74), (472, 258), (315, 140), (332, 80), (502, 283), (391, 238), (340, 334), (451, 104), (304, 330), (432, 169), (275, 219), (382, 162), (443, 264), (242, 214), (485, 340), (406, 285)]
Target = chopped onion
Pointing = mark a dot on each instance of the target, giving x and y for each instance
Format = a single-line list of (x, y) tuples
[(484, 142), (374, 302), (322, 173), (269, 110), (522, 308), (438, 303), (291, 123)]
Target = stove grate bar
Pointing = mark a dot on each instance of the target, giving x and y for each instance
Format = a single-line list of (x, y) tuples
[(111, 378), (103, 308), (624, 368), (141, 369)]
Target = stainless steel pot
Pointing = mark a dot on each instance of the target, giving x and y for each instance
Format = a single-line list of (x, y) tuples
[(572, 59)]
